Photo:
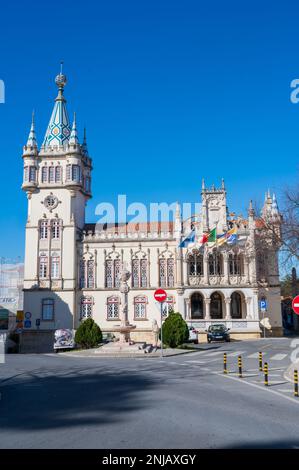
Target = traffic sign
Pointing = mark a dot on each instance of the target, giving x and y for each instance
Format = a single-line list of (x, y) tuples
[(37, 322), (27, 315), (263, 304), (27, 324), (295, 304), (160, 295)]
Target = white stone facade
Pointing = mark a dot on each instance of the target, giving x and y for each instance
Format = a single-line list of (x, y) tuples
[(71, 268)]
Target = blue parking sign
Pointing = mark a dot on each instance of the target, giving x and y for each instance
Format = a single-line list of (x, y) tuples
[(263, 304)]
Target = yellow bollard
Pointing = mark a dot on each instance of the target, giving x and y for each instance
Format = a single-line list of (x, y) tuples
[(225, 363), (266, 380), (296, 383), (261, 362), (240, 366)]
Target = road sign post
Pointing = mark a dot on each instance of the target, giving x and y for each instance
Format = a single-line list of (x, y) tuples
[(263, 307), (160, 296)]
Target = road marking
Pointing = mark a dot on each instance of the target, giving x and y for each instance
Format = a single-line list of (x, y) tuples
[(278, 357), (214, 353), (236, 353), (265, 389), (195, 362), (253, 356), (284, 390)]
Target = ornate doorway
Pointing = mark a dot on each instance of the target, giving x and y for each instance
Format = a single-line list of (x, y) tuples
[(216, 306)]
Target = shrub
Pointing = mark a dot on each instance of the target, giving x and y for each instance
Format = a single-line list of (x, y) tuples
[(89, 334), (174, 330)]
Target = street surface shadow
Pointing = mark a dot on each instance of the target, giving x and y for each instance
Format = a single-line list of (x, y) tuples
[(43, 400)]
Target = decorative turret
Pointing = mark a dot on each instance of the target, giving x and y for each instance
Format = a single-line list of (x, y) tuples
[(267, 207), (250, 216), (74, 134), (178, 221), (31, 146)]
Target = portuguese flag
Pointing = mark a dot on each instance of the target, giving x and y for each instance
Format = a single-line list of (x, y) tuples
[(208, 237), (212, 236)]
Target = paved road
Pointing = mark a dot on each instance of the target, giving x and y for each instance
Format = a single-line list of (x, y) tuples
[(59, 401)]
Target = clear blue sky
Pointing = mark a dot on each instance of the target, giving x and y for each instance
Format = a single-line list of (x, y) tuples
[(170, 91)]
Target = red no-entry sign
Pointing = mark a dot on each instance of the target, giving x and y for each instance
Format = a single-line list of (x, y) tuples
[(160, 295), (295, 304)]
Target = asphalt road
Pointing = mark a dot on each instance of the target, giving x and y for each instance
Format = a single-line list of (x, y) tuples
[(61, 401)]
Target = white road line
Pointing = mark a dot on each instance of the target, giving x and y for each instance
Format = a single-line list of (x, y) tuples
[(214, 353), (236, 353), (265, 389), (278, 357), (283, 390), (253, 356), (200, 352), (195, 362)]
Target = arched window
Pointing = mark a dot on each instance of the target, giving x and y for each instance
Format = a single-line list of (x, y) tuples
[(51, 174), (216, 306), (44, 174), (112, 273), (43, 266), (262, 265), (55, 226), (55, 266), (236, 305), (196, 306), (168, 306), (195, 264), (87, 274), (112, 308), (235, 263), (215, 264), (86, 307), (166, 272), (139, 273), (43, 229), (58, 174), (140, 307)]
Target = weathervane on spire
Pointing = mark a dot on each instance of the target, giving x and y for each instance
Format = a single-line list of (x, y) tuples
[(60, 79)]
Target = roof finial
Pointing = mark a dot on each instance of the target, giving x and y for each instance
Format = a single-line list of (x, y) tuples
[(203, 184), (222, 183)]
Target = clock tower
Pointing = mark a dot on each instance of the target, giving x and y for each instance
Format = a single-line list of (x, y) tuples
[(57, 181)]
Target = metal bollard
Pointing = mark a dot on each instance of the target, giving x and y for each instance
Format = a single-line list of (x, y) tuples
[(266, 380), (261, 362), (296, 383), (225, 363), (240, 366)]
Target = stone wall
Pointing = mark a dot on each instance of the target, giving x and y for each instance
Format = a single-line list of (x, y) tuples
[(38, 341)]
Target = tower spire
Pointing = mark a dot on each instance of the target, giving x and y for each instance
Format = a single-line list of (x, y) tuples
[(31, 142), (74, 134), (58, 131), (84, 145)]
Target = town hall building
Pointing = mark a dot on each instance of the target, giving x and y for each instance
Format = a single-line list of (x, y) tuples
[(72, 267)]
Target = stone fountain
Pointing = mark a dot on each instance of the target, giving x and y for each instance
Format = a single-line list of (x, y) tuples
[(124, 345)]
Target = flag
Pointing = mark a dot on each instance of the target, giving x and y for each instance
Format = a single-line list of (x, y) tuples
[(188, 240), (212, 236), (202, 240), (230, 237)]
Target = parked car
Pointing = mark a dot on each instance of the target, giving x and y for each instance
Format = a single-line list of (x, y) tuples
[(192, 335), (218, 332)]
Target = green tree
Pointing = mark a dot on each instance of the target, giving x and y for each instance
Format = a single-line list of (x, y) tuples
[(174, 330), (89, 334)]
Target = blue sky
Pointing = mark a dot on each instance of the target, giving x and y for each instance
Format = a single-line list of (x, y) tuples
[(170, 92)]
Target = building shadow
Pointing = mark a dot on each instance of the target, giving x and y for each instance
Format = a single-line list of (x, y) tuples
[(40, 400)]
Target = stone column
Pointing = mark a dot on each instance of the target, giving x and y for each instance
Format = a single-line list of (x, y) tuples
[(185, 272), (225, 267), (179, 260), (188, 309), (227, 308), (207, 309), (246, 267), (248, 304), (206, 268)]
